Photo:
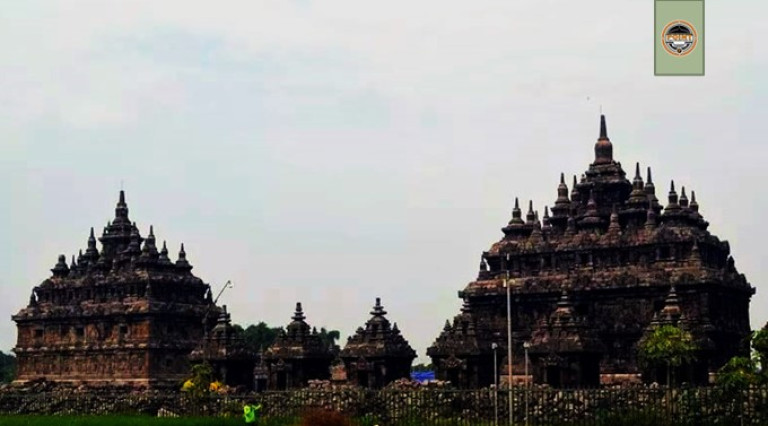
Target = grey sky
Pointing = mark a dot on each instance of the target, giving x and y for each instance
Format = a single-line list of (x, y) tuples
[(332, 152)]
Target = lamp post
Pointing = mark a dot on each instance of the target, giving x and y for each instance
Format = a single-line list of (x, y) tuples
[(509, 336), (494, 346), (526, 345), (226, 286)]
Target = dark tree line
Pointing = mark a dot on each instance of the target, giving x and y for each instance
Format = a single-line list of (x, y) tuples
[(7, 367), (261, 336)]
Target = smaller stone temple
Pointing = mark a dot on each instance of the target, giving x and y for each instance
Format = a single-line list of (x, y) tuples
[(457, 353), (225, 350), (297, 356), (377, 354), (564, 351)]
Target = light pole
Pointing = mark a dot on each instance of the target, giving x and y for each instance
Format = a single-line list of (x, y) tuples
[(526, 345), (226, 286), (494, 346), (509, 336)]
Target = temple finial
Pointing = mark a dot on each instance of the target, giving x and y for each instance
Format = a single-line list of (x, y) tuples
[(637, 170), (562, 178), (603, 129), (649, 180), (603, 147), (182, 262), (683, 198), (299, 314)]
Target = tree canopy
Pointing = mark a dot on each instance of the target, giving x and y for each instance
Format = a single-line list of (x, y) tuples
[(667, 346), (7, 367), (261, 336)]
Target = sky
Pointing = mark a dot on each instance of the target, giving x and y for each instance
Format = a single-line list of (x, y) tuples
[(334, 152)]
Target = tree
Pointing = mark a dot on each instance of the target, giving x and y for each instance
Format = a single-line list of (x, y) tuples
[(7, 367), (669, 347), (329, 338), (259, 336), (738, 373), (422, 367), (760, 345)]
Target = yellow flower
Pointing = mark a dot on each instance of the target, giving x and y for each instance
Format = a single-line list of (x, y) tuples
[(214, 386), (188, 385)]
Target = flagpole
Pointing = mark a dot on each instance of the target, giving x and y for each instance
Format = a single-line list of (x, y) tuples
[(509, 337)]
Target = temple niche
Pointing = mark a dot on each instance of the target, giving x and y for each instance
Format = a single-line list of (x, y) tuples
[(225, 351), (619, 255), (377, 354), (122, 315), (297, 356)]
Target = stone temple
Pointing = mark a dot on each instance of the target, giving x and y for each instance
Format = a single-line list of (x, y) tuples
[(122, 315), (588, 281)]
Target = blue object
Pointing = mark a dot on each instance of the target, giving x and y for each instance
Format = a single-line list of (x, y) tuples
[(422, 376)]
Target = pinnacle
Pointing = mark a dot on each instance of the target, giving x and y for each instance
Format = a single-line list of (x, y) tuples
[(603, 129)]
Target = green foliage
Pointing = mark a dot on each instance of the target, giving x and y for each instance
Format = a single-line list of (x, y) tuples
[(667, 346), (422, 367), (738, 373), (760, 345), (199, 383), (259, 336), (7, 367), (329, 338)]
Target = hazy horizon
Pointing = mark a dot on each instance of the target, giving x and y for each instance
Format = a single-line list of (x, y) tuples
[(331, 153)]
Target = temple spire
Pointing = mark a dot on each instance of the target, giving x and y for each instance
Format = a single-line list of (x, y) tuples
[(121, 211), (299, 314), (181, 262), (530, 217), (92, 253), (672, 203), (61, 269), (603, 129), (603, 147), (516, 214), (683, 198)]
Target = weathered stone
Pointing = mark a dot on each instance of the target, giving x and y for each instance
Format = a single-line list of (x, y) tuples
[(617, 255), (298, 356), (377, 354), (122, 315)]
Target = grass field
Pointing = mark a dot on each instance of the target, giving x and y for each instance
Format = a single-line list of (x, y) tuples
[(132, 420)]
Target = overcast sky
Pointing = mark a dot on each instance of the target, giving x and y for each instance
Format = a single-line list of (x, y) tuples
[(332, 152)]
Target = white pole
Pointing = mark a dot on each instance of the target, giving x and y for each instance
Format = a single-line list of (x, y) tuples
[(509, 341), (527, 383), (495, 387)]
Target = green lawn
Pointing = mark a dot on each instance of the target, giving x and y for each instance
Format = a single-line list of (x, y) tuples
[(131, 420)]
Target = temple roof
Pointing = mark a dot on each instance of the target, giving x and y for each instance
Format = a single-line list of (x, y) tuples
[(379, 339), (143, 277), (299, 340), (604, 214), (222, 342)]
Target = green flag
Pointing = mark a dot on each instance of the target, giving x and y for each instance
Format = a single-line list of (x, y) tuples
[(249, 413), (679, 37)]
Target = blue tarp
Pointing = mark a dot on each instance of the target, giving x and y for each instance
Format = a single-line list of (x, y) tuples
[(423, 376)]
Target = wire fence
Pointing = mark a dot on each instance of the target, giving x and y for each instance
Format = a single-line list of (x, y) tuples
[(530, 406)]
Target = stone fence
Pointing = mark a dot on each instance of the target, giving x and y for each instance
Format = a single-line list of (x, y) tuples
[(423, 405)]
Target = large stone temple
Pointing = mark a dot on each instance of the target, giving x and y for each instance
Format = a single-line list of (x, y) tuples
[(590, 280), (125, 314)]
